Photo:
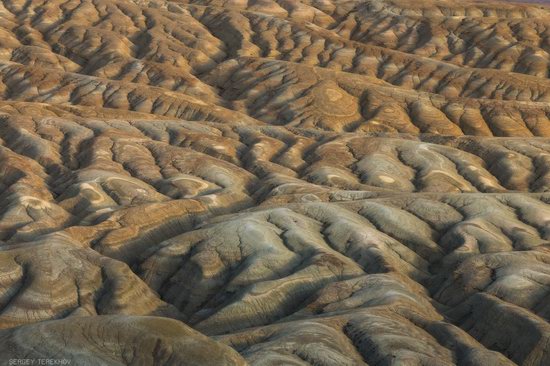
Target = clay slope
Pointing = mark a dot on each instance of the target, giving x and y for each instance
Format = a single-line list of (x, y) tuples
[(275, 182)]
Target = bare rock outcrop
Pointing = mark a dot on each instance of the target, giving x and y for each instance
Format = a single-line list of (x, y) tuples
[(275, 182)]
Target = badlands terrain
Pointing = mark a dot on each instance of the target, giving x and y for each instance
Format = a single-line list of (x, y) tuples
[(275, 182)]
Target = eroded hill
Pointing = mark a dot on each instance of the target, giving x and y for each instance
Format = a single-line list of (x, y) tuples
[(275, 182)]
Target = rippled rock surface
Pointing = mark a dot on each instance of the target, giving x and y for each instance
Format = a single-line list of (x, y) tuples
[(275, 182)]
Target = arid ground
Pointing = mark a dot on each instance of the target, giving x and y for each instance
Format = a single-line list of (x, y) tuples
[(274, 182)]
